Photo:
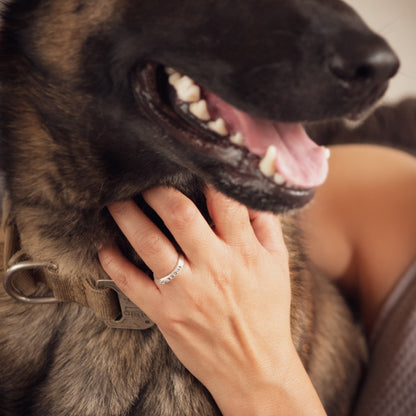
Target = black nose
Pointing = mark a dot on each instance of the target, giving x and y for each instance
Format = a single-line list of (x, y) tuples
[(358, 62)]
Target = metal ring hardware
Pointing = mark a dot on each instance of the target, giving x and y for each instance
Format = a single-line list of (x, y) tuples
[(10, 278)]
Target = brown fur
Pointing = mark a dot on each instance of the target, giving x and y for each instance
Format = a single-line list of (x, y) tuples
[(75, 138), (103, 371)]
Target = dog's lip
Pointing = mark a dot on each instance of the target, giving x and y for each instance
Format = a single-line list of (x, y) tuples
[(236, 160), (366, 107)]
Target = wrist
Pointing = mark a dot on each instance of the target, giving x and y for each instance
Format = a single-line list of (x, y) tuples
[(284, 389)]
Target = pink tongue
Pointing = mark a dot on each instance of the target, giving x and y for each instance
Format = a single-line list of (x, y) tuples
[(299, 160)]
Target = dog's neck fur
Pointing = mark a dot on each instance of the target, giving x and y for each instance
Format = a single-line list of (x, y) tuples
[(75, 137)]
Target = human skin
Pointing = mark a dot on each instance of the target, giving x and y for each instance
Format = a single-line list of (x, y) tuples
[(210, 314), (360, 230), (361, 226)]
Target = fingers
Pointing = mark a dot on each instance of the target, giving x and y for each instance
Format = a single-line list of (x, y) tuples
[(149, 242), (238, 226), (184, 220), (231, 219), (135, 284), (234, 225), (268, 231)]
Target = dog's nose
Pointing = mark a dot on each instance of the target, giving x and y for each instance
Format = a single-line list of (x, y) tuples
[(370, 61)]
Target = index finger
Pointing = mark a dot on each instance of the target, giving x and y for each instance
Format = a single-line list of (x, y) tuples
[(149, 242), (134, 283)]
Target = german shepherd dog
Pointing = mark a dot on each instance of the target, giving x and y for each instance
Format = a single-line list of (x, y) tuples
[(101, 100)]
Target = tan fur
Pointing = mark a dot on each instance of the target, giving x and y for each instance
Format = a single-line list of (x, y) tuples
[(61, 132), (63, 47)]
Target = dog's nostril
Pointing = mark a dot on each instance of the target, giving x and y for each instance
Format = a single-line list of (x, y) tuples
[(348, 71), (364, 63)]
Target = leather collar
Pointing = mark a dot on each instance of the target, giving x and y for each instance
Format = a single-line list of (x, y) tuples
[(24, 277)]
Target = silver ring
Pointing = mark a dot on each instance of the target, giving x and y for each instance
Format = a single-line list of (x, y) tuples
[(174, 272)]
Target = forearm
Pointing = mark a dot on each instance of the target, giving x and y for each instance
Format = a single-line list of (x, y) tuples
[(288, 391)]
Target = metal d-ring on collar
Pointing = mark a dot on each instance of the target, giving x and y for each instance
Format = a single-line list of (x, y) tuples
[(11, 275), (131, 316), (103, 298)]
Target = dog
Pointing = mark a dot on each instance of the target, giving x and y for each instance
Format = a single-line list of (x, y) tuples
[(391, 125), (101, 100)]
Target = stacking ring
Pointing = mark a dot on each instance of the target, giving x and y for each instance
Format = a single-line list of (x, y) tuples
[(178, 268)]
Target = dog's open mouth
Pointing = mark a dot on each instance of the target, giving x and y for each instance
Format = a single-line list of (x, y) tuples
[(280, 154)]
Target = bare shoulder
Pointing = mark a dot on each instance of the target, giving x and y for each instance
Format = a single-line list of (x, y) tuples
[(361, 227)]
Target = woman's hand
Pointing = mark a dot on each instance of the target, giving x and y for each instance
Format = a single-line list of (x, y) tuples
[(226, 315)]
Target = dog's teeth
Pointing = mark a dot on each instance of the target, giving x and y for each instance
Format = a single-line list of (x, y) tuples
[(218, 126), (327, 153), (174, 78), (186, 89), (267, 164), (170, 71), (279, 179), (200, 110), (191, 94), (237, 139)]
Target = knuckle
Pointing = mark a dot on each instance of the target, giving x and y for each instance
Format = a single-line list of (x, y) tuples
[(151, 243), (222, 275), (235, 216), (181, 214), (234, 209), (171, 326), (247, 251), (106, 260), (114, 270), (121, 280)]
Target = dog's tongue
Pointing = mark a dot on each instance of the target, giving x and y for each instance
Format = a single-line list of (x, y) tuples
[(299, 160)]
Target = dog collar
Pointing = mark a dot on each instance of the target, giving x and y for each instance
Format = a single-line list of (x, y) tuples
[(24, 277)]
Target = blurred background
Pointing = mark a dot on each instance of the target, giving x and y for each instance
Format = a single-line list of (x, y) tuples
[(396, 21)]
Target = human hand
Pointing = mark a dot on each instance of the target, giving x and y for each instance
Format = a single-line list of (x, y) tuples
[(226, 315)]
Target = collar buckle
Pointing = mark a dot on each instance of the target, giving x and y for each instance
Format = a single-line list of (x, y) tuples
[(131, 316)]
